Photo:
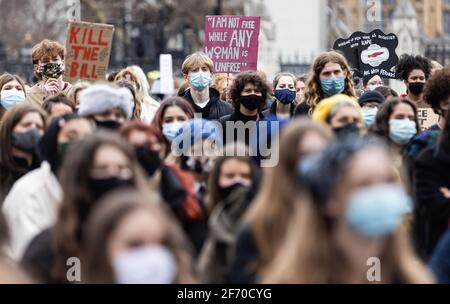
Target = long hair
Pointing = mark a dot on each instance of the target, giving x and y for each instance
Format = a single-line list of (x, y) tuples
[(240, 150), (78, 200), (381, 125), (137, 105), (104, 221), (308, 255), (314, 93), (279, 191), (8, 167)]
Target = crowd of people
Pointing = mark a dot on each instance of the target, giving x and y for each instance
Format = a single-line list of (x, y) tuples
[(179, 190)]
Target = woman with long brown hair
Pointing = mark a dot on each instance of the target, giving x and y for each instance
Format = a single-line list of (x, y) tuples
[(98, 164), (130, 240), (330, 75), (12, 92), (266, 221), (351, 230), (20, 131)]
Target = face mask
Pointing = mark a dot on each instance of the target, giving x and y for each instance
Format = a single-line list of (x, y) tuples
[(226, 191), (333, 86), (369, 116), (62, 149), (172, 129), (108, 124), (52, 70), (416, 87), (101, 186), (200, 80), (285, 96), (146, 265), (26, 142), (402, 130), (10, 98), (347, 130), (148, 159), (251, 102), (377, 211), (372, 87)]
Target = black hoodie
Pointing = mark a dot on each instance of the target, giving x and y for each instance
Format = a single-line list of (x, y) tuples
[(214, 110)]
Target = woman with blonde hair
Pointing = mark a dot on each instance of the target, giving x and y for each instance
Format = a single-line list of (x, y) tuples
[(351, 230), (266, 221), (330, 75)]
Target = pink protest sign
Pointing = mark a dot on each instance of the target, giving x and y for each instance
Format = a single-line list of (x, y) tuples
[(232, 42)]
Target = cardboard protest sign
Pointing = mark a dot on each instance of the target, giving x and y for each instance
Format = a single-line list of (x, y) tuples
[(370, 53), (232, 42), (88, 48), (427, 118)]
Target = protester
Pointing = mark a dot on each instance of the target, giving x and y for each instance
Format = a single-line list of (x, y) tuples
[(149, 104), (372, 83), (370, 102), (221, 83), (414, 71), (342, 113), (300, 88), (58, 105), (198, 70), (93, 167), (75, 90), (20, 131), (109, 107), (32, 204), (432, 184), (131, 240), (48, 67), (330, 75), (397, 122), (171, 117), (387, 92), (247, 95), (439, 260), (12, 92), (232, 184), (137, 110), (265, 223), (284, 86), (354, 217)]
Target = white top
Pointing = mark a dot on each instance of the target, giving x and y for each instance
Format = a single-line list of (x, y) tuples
[(31, 207), (202, 104)]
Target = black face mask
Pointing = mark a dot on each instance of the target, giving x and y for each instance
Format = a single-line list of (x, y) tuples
[(347, 130), (416, 87), (101, 186), (26, 142), (111, 125), (148, 159), (251, 102), (226, 191)]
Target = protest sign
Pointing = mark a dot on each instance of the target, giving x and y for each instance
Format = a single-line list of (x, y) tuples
[(88, 48), (427, 118), (232, 42), (165, 67), (370, 53)]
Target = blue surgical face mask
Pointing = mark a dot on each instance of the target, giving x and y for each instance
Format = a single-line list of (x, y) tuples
[(285, 96), (172, 129), (332, 86), (369, 116), (9, 98), (200, 80), (402, 130), (377, 211)]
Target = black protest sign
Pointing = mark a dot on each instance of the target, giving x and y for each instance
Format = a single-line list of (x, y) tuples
[(370, 53)]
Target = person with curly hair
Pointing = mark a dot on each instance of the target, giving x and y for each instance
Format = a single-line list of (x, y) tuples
[(330, 75), (414, 71)]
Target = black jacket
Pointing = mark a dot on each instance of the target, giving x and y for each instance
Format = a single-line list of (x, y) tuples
[(214, 110), (432, 210), (272, 110), (302, 109), (245, 255)]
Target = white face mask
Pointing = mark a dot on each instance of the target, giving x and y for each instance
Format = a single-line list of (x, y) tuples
[(145, 265), (372, 87)]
